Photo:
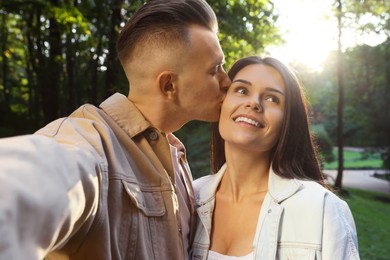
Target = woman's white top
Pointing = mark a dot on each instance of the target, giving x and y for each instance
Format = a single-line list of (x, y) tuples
[(217, 256), (298, 220)]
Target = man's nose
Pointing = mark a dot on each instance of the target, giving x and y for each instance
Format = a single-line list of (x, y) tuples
[(224, 81)]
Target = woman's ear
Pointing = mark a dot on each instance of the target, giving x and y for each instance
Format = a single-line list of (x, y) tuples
[(167, 81)]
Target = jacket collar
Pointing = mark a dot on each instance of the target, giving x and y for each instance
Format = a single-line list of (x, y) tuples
[(207, 186), (279, 188), (125, 114)]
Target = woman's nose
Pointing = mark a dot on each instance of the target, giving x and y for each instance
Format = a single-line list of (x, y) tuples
[(255, 105)]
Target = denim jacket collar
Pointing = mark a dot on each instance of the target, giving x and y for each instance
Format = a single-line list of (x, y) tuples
[(279, 188)]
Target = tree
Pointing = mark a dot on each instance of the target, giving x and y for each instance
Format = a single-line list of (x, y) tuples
[(340, 105)]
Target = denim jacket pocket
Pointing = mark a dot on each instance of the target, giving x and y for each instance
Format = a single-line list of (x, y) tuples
[(297, 253), (150, 203), (199, 252), (143, 225)]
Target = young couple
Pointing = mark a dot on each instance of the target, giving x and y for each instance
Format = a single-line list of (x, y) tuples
[(113, 182)]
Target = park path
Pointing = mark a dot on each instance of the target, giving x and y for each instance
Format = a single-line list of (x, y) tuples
[(361, 179)]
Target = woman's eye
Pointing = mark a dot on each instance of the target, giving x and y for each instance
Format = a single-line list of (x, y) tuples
[(272, 99), (241, 90)]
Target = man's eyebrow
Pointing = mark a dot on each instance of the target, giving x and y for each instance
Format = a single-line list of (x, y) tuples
[(267, 88), (220, 61)]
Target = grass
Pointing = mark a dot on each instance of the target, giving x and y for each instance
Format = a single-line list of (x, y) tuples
[(357, 160), (371, 212)]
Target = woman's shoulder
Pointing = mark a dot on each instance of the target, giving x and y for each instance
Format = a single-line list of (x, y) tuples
[(315, 192), (318, 199)]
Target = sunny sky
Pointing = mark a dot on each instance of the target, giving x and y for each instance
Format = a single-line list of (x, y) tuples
[(310, 31)]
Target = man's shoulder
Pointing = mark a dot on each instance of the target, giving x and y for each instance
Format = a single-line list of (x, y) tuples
[(85, 115)]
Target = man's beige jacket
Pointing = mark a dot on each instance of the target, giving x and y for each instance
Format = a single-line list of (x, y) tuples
[(98, 185)]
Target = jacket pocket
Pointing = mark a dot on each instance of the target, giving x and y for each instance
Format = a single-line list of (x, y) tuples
[(198, 252), (143, 225), (297, 253), (150, 203)]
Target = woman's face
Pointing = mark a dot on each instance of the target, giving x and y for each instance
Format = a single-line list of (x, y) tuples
[(253, 109)]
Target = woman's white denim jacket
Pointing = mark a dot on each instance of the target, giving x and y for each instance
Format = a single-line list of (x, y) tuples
[(298, 220)]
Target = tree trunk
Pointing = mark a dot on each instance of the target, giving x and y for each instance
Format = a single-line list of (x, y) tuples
[(4, 36), (31, 67), (386, 156), (51, 86), (70, 73), (340, 106), (112, 63), (94, 64)]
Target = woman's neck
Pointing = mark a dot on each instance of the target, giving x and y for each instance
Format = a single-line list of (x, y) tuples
[(246, 174)]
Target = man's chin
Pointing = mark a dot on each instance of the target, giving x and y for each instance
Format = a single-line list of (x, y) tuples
[(213, 119)]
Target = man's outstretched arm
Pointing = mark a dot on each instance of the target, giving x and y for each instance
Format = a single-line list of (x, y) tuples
[(48, 190)]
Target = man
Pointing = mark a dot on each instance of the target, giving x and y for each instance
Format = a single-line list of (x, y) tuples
[(113, 182)]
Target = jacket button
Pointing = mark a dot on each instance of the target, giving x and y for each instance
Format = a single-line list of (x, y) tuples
[(270, 210), (153, 136)]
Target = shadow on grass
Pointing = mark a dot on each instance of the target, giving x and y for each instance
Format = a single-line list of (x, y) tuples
[(382, 199)]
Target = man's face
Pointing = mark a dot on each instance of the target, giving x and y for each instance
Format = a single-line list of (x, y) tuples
[(202, 80)]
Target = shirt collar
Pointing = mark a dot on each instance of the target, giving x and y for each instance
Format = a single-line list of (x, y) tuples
[(175, 142), (125, 114)]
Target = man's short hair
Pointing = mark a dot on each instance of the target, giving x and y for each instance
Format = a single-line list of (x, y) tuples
[(163, 22)]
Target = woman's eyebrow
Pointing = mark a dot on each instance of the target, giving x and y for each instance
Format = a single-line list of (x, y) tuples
[(268, 88), (276, 90), (243, 81)]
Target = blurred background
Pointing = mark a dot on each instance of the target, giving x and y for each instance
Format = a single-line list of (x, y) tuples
[(59, 54)]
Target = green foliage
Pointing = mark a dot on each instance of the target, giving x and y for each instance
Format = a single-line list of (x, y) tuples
[(357, 159), (246, 27), (371, 213), (196, 137), (367, 95), (368, 15), (366, 74)]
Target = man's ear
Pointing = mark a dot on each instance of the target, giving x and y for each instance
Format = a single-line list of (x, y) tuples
[(167, 81)]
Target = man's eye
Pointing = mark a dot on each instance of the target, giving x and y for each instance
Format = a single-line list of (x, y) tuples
[(217, 68), (214, 71)]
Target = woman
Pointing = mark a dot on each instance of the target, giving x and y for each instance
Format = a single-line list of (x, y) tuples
[(268, 200)]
